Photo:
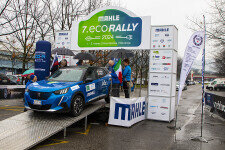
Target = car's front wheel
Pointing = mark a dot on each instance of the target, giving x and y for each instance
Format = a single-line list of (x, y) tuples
[(107, 99), (77, 105)]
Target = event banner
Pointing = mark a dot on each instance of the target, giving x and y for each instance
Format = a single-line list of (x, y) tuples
[(163, 61), (216, 102), (162, 84), (195, 44), (126, 112), (111, 27), (42, 59), (164, 37), (161, 108)]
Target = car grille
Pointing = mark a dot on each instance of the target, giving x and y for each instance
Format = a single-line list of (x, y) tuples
[(40, 107), (40, 95)]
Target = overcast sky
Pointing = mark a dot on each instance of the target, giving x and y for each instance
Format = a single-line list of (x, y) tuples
[(170, 12)]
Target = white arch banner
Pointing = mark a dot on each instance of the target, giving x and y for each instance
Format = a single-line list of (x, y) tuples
[(111, 28)]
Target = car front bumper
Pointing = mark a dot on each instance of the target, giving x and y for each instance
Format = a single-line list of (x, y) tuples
[(55, 103)]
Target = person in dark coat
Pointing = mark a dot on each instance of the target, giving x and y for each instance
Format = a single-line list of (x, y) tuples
[(115, 80)]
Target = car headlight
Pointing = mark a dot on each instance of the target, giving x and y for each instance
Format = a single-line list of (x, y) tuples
[(63, 91)]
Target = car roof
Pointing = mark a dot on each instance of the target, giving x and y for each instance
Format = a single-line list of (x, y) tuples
[(82, 67)]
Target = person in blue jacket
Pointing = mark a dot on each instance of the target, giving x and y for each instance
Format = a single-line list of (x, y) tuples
[(33, 79), (115, 80), (126, 77)]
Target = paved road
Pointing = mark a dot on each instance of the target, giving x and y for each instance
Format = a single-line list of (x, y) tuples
[(147, 134)]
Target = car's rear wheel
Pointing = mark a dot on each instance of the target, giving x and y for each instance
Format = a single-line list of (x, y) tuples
[(210, 88), (77, 105), (107, 99)]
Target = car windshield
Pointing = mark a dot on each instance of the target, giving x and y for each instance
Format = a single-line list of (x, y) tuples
[(67, 75)]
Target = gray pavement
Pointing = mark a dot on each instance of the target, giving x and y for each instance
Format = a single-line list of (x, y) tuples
[(147, 134)]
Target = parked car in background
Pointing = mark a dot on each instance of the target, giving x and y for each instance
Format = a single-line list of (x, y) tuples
[(207, 82), (191, 83), (14, 79), (177, 86), (220, 87), (4, 80), (216, 84)]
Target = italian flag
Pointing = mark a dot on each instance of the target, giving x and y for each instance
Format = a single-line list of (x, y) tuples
[(118, 70)]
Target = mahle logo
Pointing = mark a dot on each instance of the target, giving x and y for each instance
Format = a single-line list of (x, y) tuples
[(110, 28)]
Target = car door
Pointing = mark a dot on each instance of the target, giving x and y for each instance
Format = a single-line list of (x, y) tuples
[(91, 92), (103, 82)]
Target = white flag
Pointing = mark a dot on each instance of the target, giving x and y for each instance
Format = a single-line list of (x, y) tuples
[(195, 44)]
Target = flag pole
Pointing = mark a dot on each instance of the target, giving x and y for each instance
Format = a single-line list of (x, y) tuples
[(201, 139), (203, 74)]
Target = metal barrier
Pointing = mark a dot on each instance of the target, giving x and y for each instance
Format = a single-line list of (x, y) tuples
[(12, 87), (5, 90)]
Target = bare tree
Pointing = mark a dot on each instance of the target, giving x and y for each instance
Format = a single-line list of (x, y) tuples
[(74, 9), (179, 65), (215, 29), (27, 21), (23, 27), (3, 8), (220, 60)]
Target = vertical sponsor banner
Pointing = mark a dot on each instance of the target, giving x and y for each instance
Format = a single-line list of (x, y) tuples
[(162, 73), (126, 112), (195, 44), (63, 39), (164, 37), (42, 59)]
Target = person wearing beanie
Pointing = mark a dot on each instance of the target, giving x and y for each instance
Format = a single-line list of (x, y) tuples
[(33, 79)]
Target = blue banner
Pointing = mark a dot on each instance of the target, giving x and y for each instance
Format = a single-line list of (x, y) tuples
[(42, 59)]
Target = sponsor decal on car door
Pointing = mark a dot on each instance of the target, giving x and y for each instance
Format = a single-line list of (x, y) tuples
[(90, 90)]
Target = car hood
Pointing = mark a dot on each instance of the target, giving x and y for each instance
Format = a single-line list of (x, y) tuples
[(50, 86)]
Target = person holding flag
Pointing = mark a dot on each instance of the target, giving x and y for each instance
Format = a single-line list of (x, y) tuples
[(55, 64), (116, 73), (126, 78)]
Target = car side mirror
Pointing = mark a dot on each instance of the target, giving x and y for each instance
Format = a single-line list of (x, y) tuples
[(88, 80)]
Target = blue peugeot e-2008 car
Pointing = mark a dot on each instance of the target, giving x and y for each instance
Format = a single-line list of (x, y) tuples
[(68, 90)]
